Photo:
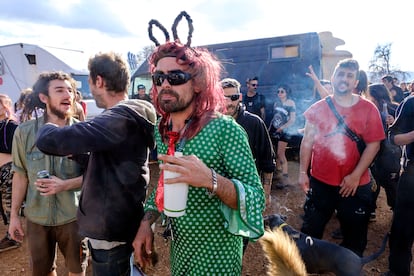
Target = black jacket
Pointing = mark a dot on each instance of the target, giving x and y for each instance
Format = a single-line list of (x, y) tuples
[(404, 123), (259, 140), (117, 175)]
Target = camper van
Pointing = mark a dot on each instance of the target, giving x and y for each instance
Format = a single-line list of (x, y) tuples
[(274, 60), (21, 64)]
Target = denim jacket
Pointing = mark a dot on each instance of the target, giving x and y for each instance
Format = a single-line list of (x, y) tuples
[(49, 210)]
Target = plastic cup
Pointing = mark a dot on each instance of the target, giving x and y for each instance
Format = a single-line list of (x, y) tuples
[(175, 195)]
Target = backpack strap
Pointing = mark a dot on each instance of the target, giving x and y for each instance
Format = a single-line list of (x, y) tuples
[(348, 132), (341, 121)]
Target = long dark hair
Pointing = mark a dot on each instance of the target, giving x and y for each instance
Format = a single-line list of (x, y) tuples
[(381, 94), (362, 85)]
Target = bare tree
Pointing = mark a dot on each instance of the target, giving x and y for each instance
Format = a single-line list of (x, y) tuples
[(380, 64), (144, 54), (135, 60)]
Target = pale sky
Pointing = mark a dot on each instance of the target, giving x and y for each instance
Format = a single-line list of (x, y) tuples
[(101, 25)]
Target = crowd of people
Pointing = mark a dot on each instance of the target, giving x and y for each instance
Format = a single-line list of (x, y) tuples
[(92, 195)]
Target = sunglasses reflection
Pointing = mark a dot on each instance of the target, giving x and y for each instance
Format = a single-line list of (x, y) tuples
[(234, 97), (176, 77)]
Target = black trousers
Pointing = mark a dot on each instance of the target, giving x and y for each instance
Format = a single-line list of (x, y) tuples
[(352, 212), (402, 229)]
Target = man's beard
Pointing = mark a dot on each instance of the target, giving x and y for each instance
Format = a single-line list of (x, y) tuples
[(58, 113), (342, 91), (232, 111), (170, 106)]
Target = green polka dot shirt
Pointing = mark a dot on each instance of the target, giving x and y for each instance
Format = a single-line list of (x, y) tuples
[(208, 238)]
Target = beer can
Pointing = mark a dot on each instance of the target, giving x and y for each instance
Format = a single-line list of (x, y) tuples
[(43, 174)]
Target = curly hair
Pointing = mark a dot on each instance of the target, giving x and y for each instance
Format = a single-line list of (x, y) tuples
[(41, 86)]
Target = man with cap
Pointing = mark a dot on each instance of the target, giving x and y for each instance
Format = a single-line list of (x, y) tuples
[(141, 94)]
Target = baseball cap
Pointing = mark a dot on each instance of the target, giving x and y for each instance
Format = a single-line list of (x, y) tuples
[(141, 86)]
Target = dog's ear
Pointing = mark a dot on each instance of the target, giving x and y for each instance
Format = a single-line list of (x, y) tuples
[(266, 221)]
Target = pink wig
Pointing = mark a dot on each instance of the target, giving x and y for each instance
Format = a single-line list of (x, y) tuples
[(206, 71)]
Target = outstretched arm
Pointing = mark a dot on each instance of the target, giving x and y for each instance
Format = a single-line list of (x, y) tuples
[(323, 92)]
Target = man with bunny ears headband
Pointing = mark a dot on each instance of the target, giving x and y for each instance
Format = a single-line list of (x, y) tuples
[(225, 197)]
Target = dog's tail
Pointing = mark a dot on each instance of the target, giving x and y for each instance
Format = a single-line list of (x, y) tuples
[(375, 255), (282, 253)]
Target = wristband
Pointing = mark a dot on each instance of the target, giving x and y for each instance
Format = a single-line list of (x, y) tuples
[(214, 183)]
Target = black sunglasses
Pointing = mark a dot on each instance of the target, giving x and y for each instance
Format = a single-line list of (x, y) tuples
[(174, 77), (234, 97), (281, 91), (254, 84)]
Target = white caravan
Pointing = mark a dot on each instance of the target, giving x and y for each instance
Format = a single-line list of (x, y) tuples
[(21, 64)]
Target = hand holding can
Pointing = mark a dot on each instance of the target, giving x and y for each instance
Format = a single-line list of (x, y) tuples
[(44, 174)]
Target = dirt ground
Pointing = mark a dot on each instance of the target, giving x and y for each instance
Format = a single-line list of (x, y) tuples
[(288, 201)]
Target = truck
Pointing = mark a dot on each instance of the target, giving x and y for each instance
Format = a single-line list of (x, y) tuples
[(274, 60), (21, 64)]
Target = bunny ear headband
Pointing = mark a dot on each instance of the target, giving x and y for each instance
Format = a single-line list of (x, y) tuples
[(174, 29)]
